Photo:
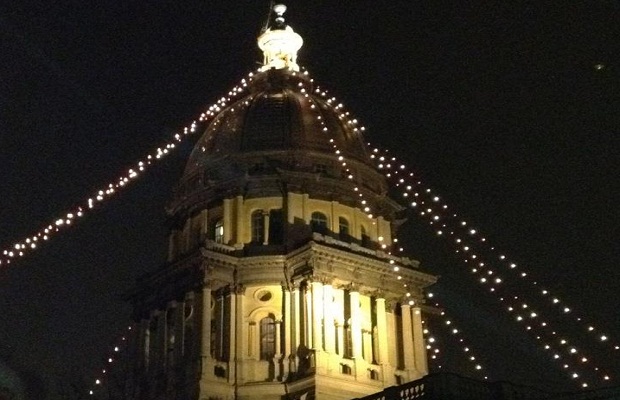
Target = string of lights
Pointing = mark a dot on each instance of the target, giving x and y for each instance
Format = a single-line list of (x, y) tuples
[(454, 333), (102, 377), (23, 246), (432, 345), (437, 217), (446, 224)]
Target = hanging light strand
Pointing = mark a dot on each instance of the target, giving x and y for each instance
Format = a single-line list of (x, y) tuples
[(447, 224), (22, 247), (112, 360)]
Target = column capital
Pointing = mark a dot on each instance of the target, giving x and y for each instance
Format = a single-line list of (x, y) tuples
[(354, 287), (238, 289)]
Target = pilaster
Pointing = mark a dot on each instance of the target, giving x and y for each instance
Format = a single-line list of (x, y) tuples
[(407, 337), (419, 346)]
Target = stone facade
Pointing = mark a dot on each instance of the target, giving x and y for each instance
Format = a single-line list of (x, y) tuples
[(278, 283)]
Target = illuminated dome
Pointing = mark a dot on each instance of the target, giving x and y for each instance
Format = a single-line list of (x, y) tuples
[(283, 135), (281, 233), (279, 114)]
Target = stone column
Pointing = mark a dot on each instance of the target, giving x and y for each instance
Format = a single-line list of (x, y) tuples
[(205, 325), (356, 324), (237, 322), (328, 319), (317, 315), (287, 315), (419, 346), (382, 338), (367, 345), (407, 337), (278, 351), (232, 354), (239, 219), (307, 299), (296, 326), (227, 221)]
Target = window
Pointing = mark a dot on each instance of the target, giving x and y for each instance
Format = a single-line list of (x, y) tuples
[(348, 341), (258, 227), (267, 338), (318, 222), (320, 169), (219, 232), (365, 237), (343, 229), (276, 226)]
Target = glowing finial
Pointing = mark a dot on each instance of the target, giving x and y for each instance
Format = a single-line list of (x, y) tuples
[(280, 44)]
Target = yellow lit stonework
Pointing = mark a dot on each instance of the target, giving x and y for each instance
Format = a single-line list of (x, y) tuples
[(278, 284)]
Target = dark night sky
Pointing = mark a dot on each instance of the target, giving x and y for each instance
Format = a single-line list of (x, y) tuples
[(498, 106)]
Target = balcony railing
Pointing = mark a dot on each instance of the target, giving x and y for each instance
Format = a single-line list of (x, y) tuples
[(446, 386)]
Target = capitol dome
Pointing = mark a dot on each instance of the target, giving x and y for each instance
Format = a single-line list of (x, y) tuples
[(284, 134), (281, 113), (280, 278)]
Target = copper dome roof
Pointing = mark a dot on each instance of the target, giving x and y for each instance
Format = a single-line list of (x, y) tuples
[(281, 113), (282, 135)]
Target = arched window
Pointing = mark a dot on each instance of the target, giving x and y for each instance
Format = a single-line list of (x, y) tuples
[(343, 229), (219, 231), (267, 338), (318, 222), (258, 227)]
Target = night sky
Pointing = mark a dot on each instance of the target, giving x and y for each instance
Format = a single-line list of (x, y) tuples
[(509, 110)]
